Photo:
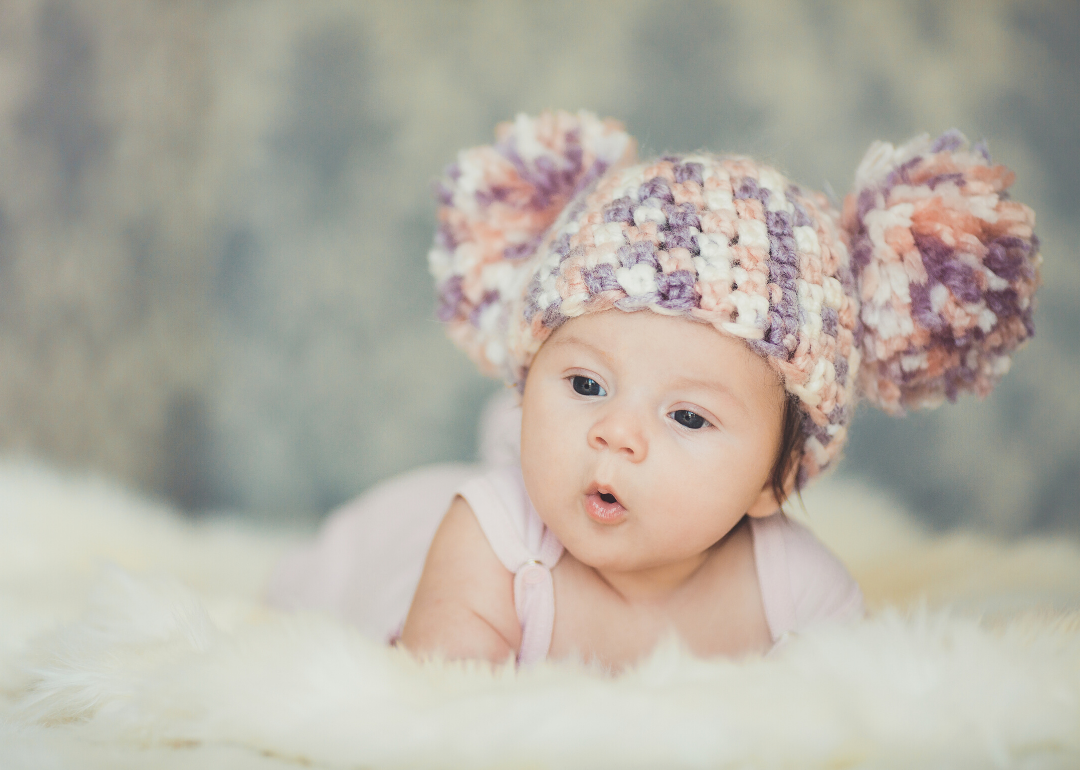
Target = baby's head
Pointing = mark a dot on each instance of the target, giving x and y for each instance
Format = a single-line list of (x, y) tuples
[(661, 430), (919, 290)]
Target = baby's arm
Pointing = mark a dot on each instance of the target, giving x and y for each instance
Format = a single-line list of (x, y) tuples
[(464, 604)]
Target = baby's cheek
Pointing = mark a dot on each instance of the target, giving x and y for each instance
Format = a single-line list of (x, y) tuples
[(713, 492), (540, 461)]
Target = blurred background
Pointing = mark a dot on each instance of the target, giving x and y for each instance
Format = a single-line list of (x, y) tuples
[(214, 219)]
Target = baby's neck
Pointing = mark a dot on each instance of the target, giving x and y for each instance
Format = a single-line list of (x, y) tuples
[(654, 585), (715, 609), (663, 583)]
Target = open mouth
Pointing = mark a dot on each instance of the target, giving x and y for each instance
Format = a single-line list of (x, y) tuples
[(604, 507)]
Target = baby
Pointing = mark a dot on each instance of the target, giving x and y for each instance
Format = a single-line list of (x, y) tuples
[(688, 337)]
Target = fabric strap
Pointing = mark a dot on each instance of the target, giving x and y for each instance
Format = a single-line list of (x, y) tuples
[(526, 548)]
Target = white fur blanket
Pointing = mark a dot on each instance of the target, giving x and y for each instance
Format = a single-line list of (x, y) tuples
[(970, 658)]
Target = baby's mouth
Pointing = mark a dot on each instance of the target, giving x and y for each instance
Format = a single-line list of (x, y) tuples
[(604, 507)]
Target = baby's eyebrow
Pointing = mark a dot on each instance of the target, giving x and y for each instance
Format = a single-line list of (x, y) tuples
[(709, 384), (570, 339)]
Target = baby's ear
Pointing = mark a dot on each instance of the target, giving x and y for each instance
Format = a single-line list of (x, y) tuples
[(766, 503)]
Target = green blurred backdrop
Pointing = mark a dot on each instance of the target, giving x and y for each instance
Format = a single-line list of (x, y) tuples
[(214, 219)]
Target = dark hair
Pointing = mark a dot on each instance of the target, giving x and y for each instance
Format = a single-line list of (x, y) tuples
[(792, 439)]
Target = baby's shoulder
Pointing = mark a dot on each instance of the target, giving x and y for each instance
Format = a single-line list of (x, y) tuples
[(802, 582)]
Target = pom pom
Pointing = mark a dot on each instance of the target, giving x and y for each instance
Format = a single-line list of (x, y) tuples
[(497, 202), (946, 266)]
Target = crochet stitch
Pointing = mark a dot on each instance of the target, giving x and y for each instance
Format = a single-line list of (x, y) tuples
[(947, 267), (557, 220)]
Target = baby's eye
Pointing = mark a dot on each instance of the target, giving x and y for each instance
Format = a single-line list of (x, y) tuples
[(689, 419), (587, 386)]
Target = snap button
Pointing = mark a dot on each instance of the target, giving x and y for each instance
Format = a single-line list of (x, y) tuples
[(534, 572)]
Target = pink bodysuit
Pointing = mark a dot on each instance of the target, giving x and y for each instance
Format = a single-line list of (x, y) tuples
[(366, 562)]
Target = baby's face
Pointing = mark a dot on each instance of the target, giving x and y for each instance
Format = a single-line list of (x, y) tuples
[(645, 438)]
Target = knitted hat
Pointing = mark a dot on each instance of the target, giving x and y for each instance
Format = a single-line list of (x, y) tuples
[(920, 290)]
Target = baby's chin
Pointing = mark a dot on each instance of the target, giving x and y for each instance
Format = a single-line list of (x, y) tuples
[(606, 555)]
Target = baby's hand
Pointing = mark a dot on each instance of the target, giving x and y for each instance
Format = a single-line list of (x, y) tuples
[(464, 604)]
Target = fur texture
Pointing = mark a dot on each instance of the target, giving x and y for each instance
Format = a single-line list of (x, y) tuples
[(971, 658)]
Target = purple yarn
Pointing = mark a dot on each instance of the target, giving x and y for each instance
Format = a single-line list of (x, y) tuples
[(519, 251), (830, 320), (547, 178), (777, 329), (509, 151), (783, 271), (1029, 321), (486, 197), (444, 238), (956, 178), (749, 189), (782, 253), (689, 171), (676, 290), (780, 336), (950, 141), (595, 171), (787, 326), (860, 332), (935, 253), (784, 275), (638, 253), (981, 148), (1003, 304), (443, 194), (899, 175), (543, 186), (680, 237), (783, 256), (577, 205), (921, 309), (450, 297), (944, 268), (620, 210), (573, 150), (488, 299), (1008, 257), (658, 188), (866, 202), (764, 347), (861, 251), (841, 367), (532, 306), (802, 218), (681, 215), (600, 279), (783, 248), (553, 318), (577, 251), (561, 246), (811, 428), (778, 222), (955, 379)]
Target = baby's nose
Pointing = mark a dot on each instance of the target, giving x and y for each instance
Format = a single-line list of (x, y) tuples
[(621, 432)]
